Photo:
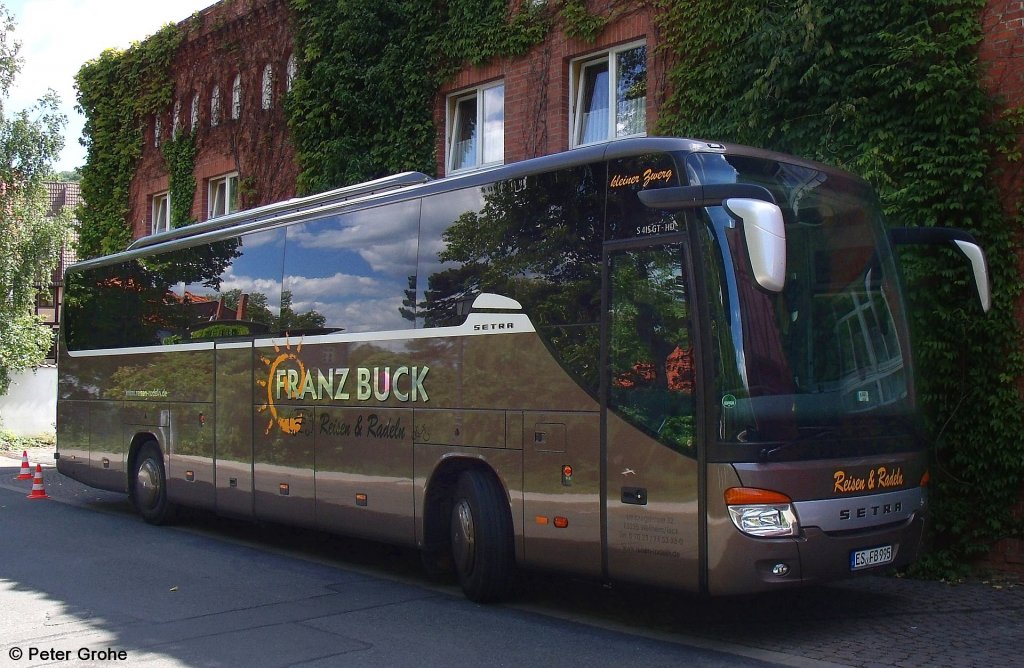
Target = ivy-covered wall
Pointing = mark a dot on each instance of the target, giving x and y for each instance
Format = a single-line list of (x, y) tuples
[(124, 94), (891, 90), (117, 92), (364, 99)]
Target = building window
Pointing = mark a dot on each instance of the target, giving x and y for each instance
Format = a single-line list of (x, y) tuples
[(215, 106), (476, 128), (223, 195), (267, 98), (158, 131), (610, 95), (236, 97), (194, 114), (291, 69), (161, 212), (176, 120)]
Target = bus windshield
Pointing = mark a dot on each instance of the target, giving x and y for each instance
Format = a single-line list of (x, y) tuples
[(824, 362)]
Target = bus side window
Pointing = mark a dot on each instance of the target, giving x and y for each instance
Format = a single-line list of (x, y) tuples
[(351, 272), (233, 287)]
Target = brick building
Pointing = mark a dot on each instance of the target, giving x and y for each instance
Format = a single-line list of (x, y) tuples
[(230, 76), (236, 65)]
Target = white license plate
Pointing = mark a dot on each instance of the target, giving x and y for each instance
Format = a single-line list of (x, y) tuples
[(875, 556)]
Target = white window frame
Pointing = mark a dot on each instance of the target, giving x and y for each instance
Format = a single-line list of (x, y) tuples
[(577, 90), (482, 146), (291, 69), (236, 97), (221, 204), (215, 106), (160, 207), (176, 120), (193, 116), (267, 96)]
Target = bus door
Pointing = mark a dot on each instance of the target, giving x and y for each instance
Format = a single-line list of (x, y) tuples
[(233, 419), (651, 470)]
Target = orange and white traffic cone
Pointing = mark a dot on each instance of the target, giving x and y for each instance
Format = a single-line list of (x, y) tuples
[(38, 491), (26, 472)]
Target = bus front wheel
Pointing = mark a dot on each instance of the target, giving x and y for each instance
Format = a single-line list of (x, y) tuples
[(149, 485), (481, 538)]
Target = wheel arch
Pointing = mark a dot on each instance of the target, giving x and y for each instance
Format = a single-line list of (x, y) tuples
[(138, 440), (440, 488)]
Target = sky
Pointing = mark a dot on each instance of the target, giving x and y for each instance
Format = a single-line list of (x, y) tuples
[(58, 36)]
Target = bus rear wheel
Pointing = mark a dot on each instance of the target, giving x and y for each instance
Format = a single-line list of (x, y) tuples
[(149, 485), (481, 538)]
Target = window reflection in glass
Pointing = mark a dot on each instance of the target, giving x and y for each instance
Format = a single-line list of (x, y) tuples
[(353, 273), (243, 298), (650, 350), (536, 239)]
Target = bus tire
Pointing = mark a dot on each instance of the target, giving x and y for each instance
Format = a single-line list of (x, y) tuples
[(149, 485), (481, 538)]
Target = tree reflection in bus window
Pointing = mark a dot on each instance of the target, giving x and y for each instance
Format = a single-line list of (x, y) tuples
[(536, 239), (236, 294), (651, 361)]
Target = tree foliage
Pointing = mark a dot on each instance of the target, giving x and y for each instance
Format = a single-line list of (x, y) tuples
[(30, 240)]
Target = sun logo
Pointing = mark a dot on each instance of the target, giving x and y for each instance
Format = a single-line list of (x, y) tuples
[(293, 368)]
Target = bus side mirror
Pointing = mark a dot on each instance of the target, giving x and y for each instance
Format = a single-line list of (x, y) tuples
[(962, 241), (765, 233), (980, 267), (753, 206)]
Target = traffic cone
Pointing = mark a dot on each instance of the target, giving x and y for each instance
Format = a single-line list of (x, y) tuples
[(38, 491), (26, 472)]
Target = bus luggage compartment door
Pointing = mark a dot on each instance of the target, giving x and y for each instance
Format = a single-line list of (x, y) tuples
[(233, 456)]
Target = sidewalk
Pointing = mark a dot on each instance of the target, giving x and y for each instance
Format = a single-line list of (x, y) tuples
[(42, 456)]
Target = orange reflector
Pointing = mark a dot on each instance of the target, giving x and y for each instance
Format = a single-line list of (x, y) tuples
[(561, 522), (925, 479), (744, 496), (567, 471), (540, 519)]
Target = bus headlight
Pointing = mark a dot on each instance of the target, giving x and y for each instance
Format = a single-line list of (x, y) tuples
[(761, 513)]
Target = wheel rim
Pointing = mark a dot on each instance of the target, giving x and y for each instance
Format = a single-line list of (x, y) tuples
[(147, 484), (463, 536)]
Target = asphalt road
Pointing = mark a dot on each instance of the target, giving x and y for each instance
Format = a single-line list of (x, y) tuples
[(81, 572), (83, 581)]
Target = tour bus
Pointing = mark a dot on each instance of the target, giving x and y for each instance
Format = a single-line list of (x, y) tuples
[(655, 360)]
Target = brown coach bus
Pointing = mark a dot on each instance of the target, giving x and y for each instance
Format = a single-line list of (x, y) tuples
[(654, 360)]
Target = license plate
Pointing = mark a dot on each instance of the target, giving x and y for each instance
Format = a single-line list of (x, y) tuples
[(875, 556)]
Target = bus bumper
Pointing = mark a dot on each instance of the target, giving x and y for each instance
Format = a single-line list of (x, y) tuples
[(747, 565)]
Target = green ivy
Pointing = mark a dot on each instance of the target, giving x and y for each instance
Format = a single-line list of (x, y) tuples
[(362, 104), (180, 159), (890, 90), (118, 92), (580, 23)]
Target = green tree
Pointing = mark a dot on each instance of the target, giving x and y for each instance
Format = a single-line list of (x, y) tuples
[(30, 240)]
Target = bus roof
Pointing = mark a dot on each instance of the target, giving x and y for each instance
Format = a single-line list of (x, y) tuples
[(416, 184)]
